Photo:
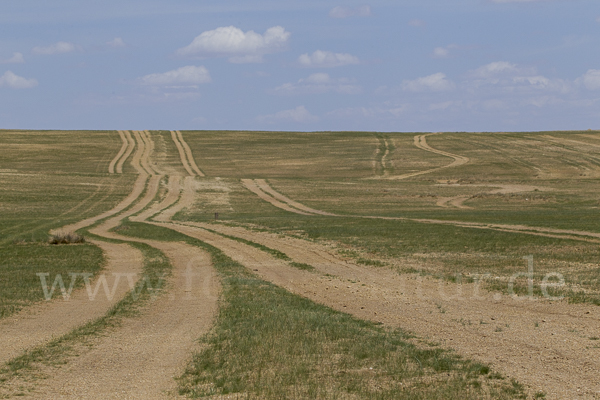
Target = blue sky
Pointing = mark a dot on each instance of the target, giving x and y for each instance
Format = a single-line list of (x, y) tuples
[(452, 65)]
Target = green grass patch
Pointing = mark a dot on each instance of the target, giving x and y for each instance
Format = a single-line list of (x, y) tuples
[(302, 266), (19, 264)]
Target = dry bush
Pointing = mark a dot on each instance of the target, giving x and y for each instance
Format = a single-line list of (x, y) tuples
[(66, 238)]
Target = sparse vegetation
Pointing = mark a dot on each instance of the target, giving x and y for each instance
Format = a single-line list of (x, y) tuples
[(66, 238)]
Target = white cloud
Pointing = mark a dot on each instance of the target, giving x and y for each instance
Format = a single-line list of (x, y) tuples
[(591, 79), (417, 22), (327, 59), (319, 83), (17, 58), (441, 52), (298, 114), (240, 47), (184, 76), (56, 48), (432, 83), (345, 12), (116, 43), (13, 81), (496, 68), (512, 77)]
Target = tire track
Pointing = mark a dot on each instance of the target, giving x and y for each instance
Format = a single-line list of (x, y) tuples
[(554, 358), (130, 148), (182, 154), (585, 236), (40, 323), (190, 156), (266, 188), (457, 201), (140, 359), (111, 166), (381, 157), (154, 166), (186, 199), (145, 158), (45, 321), (254, 188), (420, 141)]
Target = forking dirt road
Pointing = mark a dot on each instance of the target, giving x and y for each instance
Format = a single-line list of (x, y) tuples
[(540, 343), (143, 356)]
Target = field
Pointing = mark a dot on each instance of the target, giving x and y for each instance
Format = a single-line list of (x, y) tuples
[(321, 265)]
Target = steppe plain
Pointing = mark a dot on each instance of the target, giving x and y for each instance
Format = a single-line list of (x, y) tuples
[(302, 265)]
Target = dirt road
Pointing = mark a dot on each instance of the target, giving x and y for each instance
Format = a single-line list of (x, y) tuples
[(39, 324), (111, 166), (420, 141), (546, 345), (141, 358)]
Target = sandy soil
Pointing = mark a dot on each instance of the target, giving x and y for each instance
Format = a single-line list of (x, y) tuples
[(141, 359)]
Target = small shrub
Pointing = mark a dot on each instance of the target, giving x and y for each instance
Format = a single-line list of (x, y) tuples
[(66, 238)]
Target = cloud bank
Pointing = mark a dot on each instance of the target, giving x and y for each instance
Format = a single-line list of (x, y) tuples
[(239, 46)]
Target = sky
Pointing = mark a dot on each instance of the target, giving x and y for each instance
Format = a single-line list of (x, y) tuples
[(380, 65)]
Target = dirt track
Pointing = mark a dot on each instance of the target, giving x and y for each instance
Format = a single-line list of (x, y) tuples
[(140, 359), (190, 156), (553, 356), (583, 236), (457, 201), (182, 154), (543, 344), (53, 319), (111, 166), (264, 186), (421, 142)]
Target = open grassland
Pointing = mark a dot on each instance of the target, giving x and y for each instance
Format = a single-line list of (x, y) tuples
[(546, 179), (49, 179), (333, 256)]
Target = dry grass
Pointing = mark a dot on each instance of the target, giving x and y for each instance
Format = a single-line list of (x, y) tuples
[(66, 238)]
